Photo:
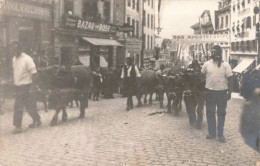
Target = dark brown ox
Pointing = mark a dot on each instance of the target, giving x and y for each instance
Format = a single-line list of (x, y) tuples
[(171, 83), (147, 85), (111, 80), (250, 121), (63, 85), (194, 90)]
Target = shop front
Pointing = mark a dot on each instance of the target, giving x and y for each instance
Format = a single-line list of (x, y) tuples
[(90, 43), (27, 22)]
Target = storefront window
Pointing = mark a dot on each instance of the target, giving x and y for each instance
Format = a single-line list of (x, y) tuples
[(68, 6), (90, 11)]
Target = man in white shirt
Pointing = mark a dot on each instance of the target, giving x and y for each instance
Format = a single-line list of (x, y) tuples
[(219, 85), (23, 71), (130, 75)]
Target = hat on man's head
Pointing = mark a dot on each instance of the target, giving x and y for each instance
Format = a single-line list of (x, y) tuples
[(218, 50)]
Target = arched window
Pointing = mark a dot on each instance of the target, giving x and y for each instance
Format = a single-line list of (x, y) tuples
[(243, 3), (248, 22), (243, 26), (238, 28)]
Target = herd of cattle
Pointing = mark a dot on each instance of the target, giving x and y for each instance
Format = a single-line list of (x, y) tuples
[(59, 86), (78, 83)]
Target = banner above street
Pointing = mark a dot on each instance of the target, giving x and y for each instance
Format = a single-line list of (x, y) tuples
[(204, 38)]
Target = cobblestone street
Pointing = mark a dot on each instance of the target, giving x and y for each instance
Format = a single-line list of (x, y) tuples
[(109, 135)]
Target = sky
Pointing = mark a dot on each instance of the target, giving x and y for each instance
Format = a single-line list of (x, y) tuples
[(177, 16)]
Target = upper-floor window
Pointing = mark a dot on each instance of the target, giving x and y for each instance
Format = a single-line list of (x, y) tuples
[(151, 42), (106, 11), (248, 1), (129, 3), (222, 23), (219, 5), (144, 19), (98, 11), (152, 3), (68, 6), (138, 5), (148, 20), (137, 28), (133, 24), (248, 22), (129, 23), (133, 4), (148, 41), (151, 21), (144, 40), (226, 25), (90, 11), (149, 2)]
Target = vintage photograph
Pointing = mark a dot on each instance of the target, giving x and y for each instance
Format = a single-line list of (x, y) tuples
[(129, 82)]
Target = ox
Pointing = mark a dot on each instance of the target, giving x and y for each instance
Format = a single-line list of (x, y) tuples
[(111, 79), (250, 121), (63, 85), (171, 83), (194, 89), (147, 85)]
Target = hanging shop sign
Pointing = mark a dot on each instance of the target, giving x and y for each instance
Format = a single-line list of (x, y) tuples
[(204, 38), (72, 22), (25, 10)]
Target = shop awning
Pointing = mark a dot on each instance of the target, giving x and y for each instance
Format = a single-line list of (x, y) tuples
[(243, 65), (257, 67), (102, 42)]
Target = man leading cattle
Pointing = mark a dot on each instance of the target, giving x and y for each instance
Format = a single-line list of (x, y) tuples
[(219, 84), (130, 75), (23, 70)]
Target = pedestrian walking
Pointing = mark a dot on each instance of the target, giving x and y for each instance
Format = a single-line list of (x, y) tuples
[(130, 74), (23, 72), (219, 84)]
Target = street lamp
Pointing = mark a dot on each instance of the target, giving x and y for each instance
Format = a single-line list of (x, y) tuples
[(159, 29)]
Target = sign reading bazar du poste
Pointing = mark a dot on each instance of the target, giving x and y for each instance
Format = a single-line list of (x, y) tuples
[(204, 38)]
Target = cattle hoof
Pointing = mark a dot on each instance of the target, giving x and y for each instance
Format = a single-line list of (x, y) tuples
[(198, 126), (176, 113), (64, 119), (139, 105), (53, 124), (81, 116)]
